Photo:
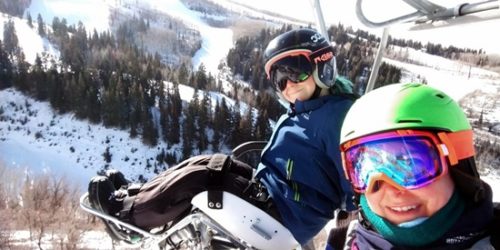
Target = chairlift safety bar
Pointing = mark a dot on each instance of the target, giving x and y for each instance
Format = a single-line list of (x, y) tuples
[(84, 204)]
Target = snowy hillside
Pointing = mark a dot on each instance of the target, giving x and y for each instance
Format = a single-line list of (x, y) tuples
[(29, 40), (65, 146), (215, 41), (32, 135), (454, 78)]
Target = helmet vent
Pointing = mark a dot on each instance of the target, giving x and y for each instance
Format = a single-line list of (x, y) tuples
[(350, 133), (440, 96), (409, 121)]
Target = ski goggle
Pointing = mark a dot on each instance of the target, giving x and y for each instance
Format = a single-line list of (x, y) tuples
[(407, 159), (281, 74), (294, 68), (293, 65)]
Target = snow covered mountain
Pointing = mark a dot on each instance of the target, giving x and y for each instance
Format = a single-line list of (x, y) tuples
[(44, 141)]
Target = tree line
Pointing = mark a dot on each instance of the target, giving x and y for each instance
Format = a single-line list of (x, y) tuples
[(14, 8), (111, 81)]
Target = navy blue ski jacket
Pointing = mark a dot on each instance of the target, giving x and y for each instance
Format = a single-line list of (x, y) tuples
[(302, 168)]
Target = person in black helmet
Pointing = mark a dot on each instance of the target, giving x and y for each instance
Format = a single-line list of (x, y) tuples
[(301, 164), (300, 167)]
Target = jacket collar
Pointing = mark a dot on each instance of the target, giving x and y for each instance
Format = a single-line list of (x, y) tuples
[(309, 105)]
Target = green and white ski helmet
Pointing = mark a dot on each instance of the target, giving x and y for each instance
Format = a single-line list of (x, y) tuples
[(417, 106), (403, 106)]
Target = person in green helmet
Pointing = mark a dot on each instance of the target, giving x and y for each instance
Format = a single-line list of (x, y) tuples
[(408, 153)]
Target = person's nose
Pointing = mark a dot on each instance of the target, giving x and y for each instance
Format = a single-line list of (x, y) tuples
[(380, 181), (289, 83)]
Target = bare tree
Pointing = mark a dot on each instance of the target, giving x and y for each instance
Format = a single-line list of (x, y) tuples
[(46, 206), (35, 208), (9, 184)]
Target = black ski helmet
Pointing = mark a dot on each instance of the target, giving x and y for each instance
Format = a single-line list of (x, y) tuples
[(310, 43)]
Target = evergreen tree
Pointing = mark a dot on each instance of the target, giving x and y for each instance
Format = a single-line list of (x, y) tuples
[(38, 79), (235, 132), (149, 124), (174, 112), (226, 120), (78, 103), (163, 109), (191, 80), (41, 26), (201, 78), (6, 66), (204, 115), (150, 132), (194, 110), (245, 127), (29, 19), (165, 118), (107, 155), (182, 74), (188, 132), (10, 40), (110, 103), (217, 127), (56, 91), (136, 101), (267, 101), (262, 128), (21, 79), (92, 100)]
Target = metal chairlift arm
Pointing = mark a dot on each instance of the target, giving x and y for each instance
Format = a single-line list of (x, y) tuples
[(428, 11)]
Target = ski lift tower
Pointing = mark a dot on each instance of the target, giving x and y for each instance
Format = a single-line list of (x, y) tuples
[(428, 15)]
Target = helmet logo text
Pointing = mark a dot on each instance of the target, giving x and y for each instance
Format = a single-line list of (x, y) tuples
[(316, 37), (324, 57)]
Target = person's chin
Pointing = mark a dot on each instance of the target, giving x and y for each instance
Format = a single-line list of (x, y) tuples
[(296, 96)]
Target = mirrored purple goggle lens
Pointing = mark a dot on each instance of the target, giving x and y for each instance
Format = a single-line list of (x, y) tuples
[(411, 162)]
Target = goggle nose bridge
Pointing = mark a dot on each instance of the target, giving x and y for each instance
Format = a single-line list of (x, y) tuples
[(382, 177)]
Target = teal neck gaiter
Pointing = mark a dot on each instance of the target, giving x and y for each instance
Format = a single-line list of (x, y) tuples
[(428, 231)]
